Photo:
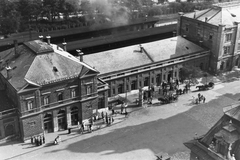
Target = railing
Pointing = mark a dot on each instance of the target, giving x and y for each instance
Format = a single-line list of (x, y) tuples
[(156, 65)]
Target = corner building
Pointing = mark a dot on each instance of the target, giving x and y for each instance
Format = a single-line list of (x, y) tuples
[(216, 29), (222, 141), (49, 88)]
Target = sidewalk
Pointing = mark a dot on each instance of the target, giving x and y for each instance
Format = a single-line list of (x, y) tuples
[(13, 149)]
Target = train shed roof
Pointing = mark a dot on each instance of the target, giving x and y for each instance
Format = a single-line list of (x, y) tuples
[(138, 55)]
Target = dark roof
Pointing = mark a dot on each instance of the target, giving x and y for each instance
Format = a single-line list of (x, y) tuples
[(219, 14), (132, 56), (193, 146), (234, 112), (38, 63)]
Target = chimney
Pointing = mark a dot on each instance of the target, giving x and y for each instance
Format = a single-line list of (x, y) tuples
[(48, 39), (41, 38), (80, 54), (141, 48), (64, 46), (15, 47), (8, 69), (206, 19)]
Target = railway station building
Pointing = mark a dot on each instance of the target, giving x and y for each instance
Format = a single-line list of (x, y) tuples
[(45, 89), (222, 141), (217, 29), (133, 67)]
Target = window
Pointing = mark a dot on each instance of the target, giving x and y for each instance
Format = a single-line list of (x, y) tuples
[(29, 105), (198, 32), (210, 36), (187, 27), (228, 37), (226, 50), (101, 103), (60, 96), (238, 48), (120, 88), (73, 93), (89, 89), (45, 100), (134, 85), (113, 91)]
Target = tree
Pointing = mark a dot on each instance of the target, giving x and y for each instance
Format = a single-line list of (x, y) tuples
[(188, 72)]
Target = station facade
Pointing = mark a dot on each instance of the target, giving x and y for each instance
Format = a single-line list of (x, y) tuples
[(49, 89)]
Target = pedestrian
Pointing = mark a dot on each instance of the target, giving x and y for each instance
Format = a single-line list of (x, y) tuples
[(90, 127), (112, 119), (31, 140), (82, 126), (204, 99), (113, 110), (37, 141), (40, 140), (102, 114), (122, 108), (199, 95), (43, 138), (106, 119)]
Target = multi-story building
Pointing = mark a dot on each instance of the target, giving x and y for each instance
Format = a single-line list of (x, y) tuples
[(49, 90), (222, 141), (133, 67), (217, 29)]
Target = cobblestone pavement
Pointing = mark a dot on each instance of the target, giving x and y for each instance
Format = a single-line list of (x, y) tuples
[(146, 132)]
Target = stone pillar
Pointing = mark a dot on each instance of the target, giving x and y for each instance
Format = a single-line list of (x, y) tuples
[(68, 115), (55, 120), (140, 98), (138, 79)]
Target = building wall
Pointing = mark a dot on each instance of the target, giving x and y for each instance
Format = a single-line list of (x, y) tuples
[(31, 126), (155, 76), (9, 127), (213, 38)]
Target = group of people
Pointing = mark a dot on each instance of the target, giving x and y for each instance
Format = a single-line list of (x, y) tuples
[(200, 98), (38, 140)]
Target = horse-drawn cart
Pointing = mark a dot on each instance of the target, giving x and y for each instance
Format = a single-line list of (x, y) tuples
[(210, 85), (168, 98)]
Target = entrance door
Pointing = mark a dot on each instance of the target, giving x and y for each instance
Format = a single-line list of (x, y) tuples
[(61, 120), (9, 130), (170, 74), (48, 123), (74, 115)]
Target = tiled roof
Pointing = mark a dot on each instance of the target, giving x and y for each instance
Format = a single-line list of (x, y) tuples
[(224, 14), (234, 113), (38, 63), (129, 57)]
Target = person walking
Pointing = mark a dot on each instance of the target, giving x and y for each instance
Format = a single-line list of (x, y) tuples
[(40, 140), (31, 140), (43, 138), (204, 99)]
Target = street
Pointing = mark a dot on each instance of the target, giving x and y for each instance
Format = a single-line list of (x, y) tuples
[(148, 131)]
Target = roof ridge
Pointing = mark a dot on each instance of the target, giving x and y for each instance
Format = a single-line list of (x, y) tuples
[(204, 13)]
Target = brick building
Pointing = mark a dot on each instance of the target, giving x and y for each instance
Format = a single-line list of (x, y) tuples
[(49, 89), (136, 66), (222, 141), (218, 30)]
